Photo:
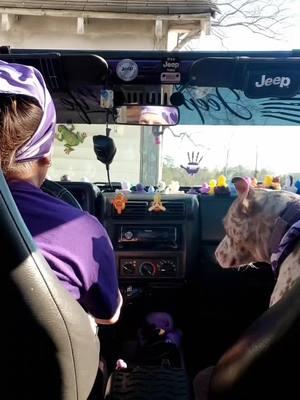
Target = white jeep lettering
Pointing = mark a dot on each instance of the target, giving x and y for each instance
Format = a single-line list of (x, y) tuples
[(281, 81), (168, 64)]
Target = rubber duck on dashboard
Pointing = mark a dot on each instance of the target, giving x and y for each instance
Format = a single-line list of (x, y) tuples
[(212, 184), (276, 183), (221, 186), (268, 182)]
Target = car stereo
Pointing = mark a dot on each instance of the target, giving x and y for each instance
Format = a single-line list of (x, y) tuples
[(137, 236)]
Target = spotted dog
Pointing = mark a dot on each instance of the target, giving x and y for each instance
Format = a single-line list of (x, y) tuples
[(263, 226)]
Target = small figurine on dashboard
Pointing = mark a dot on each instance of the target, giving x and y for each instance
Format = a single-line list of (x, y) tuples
[(253, 182), (140, 188), (125, 187), (204, 190), (157, 205), (212, 184), (161, 187), (268, 182), (222, 187), (297, 186), (260, 184), (151, 189), (119, 203), (276, 183), (289, 184), (173, 188)]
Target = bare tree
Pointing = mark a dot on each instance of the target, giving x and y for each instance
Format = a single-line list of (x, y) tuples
[(266, 18)]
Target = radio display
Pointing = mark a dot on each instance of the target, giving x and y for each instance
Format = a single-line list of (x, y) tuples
[(138, 236)]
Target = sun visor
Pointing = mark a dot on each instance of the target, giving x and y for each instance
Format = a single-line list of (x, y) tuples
[(63, 72), (256, 77), (74, 81)]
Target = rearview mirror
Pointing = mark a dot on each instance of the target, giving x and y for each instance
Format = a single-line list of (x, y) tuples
[(147, 115)]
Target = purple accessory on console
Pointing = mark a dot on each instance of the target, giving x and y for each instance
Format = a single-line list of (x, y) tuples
[(164, 321), (285, 235), (18, 79)]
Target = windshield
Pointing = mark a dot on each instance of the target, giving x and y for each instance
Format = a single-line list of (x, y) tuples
[(221, 131), (211, 150)]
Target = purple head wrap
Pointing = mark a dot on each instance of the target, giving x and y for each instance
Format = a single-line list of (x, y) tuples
[(23, 80), (168, 114)]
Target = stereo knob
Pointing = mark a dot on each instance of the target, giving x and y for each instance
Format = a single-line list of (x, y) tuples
[(167, 268), (128, 268), (128, 235), (147, 269)]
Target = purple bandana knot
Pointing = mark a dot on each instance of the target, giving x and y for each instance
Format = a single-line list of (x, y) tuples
[(24, 80)]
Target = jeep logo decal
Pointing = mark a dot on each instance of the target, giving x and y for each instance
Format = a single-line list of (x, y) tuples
[(281, 81), (173, 65)]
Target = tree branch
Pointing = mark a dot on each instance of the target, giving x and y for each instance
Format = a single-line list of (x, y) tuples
[(267, 18), (262, 17), (188, 38)]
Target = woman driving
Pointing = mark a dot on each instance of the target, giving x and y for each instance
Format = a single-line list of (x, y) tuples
[(74, 243)]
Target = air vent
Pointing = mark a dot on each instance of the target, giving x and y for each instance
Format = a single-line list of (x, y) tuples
[(174, 210), (147, 97), (133, 209), (153, 95), (140, 209)]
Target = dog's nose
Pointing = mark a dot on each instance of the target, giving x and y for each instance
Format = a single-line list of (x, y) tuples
[(233, 262), (215, 258), (218, 256)]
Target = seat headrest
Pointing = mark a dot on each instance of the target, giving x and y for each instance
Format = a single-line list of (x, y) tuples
[(49, 350)]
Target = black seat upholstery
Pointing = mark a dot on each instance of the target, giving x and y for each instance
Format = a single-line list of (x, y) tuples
[(55, 189), (263, 363), (86, 194), (48, 348)]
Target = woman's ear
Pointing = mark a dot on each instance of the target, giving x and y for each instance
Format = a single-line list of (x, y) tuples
[(43, 165), (45, 162)]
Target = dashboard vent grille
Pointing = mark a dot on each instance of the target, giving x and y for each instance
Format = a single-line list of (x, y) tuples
[(139, 209), (133, 209), (174, 209)]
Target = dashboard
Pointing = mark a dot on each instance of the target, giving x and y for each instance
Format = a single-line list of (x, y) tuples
[(153, 246), (157, 248)]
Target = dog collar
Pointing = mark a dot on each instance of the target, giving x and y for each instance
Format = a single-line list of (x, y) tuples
[(285, 234)]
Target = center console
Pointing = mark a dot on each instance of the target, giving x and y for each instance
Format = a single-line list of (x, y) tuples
[(153, 246)]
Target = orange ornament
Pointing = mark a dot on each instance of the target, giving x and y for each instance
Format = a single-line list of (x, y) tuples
[(119, 202)]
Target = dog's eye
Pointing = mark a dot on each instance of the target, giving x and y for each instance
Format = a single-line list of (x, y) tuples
[(235, 239), (231, 232)]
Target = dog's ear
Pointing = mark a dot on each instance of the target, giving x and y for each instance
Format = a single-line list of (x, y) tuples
[(243, 188), (242, 185)]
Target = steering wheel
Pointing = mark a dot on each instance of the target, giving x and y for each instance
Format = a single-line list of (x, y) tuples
[(60, 192)]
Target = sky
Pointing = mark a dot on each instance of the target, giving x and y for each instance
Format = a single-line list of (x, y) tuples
[(277, 148)]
